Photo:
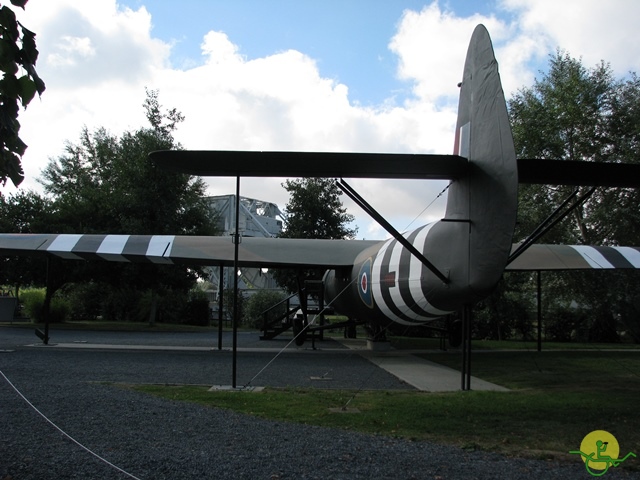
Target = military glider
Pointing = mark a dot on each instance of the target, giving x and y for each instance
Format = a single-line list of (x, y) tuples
[(415, 276)]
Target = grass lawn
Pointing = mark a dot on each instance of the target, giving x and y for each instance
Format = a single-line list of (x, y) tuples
[(557, 398)]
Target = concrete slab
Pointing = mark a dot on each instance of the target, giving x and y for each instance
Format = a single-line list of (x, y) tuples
[(420, 373), (425, 375), (229, 388)]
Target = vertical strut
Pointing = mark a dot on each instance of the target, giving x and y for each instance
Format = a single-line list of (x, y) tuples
[(466, 348), (220, 304), (236, 310)]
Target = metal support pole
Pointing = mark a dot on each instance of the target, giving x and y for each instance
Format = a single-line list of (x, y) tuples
[(539, 299), (220, 305), (46, 308), (236, 242), (466, 348)]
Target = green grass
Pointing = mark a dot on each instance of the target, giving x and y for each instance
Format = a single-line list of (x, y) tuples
[(558, 398), (411, 343)]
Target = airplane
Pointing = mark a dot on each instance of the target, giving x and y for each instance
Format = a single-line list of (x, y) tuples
[(416, 276)]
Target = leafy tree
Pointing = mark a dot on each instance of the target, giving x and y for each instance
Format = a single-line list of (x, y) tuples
[(564, 116), (577, 113), (24, 212), (18, 55), (506, 312), (314, 210), (106, 184)]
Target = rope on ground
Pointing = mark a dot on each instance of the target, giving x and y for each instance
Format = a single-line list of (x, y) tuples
[(65, 433)]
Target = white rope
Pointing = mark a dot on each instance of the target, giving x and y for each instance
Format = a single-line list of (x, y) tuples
[(65, 433)]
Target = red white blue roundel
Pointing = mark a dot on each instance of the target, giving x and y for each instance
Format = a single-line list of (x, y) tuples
[(364, 283)]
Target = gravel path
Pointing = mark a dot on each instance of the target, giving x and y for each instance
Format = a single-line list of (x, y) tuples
[(152, 438)]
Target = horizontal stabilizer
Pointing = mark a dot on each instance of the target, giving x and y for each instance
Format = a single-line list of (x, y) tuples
[(568, 172), (575, 257), (311, 164)]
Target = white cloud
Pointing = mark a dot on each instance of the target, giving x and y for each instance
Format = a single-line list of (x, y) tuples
[(219, 50), (589, 29), (432, 44), (69, 48)]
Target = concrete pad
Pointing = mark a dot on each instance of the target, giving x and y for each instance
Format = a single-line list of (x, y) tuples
[(420, 373), (229, 388), (425, 375), (109, 346)]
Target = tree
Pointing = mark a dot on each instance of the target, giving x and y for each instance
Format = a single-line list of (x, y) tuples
[(106, 184), (24, 212), (18, 53), (564, 116), (576, 113), (314, 210)]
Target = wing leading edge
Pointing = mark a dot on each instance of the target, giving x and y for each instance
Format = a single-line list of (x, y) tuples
[(188, 250)]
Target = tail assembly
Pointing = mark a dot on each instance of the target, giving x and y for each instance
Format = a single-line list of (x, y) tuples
[(465, 253), (435, 269), (477, 230)]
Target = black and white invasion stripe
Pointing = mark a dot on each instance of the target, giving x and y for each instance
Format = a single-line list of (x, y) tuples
[(397, 281), (117, 248), (609, 257)]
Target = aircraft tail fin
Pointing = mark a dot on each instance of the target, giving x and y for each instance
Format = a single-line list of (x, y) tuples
[(476, 232)]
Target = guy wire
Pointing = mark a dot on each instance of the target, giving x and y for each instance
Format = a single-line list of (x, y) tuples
[(299, 333), (427, 207)]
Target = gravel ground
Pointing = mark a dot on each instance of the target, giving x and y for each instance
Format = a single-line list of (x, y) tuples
[(152, 438)]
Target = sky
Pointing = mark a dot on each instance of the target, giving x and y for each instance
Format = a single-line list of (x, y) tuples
[(315, 75)]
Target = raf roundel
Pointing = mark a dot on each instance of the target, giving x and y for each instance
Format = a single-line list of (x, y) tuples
[(364, 283)]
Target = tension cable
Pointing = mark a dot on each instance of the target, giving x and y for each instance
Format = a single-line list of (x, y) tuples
[(299, 333), (428, 206)]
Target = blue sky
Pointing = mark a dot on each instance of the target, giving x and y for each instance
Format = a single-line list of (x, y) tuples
[(348, 39), (330, 75)]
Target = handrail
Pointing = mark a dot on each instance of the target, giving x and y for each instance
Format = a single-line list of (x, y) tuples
[(288, 311)]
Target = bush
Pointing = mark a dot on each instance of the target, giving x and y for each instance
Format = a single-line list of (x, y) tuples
[(33, 302), (258, 303), (196, 312), (86, 300), (563, 323)]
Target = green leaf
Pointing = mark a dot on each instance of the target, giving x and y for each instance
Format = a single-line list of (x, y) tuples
[(8, 51), (29, 50), (9, 23), (27, 89), (9, 86), (16, 145), (40, 87), (12, 168), (19, 3)]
